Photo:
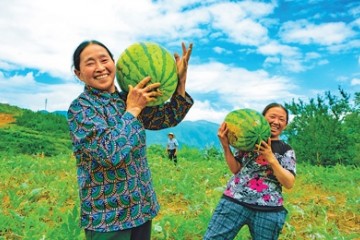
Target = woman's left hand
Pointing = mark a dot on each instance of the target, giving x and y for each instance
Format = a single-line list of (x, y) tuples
[(284, 176), (265, 149), (182, 66)]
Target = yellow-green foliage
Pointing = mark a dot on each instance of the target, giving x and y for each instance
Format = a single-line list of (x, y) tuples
[(39, 198)]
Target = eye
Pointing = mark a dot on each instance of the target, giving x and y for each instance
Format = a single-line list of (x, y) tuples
[(89, 63), (104, 60)]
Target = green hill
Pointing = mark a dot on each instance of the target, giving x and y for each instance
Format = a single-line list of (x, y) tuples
[(44, 133), (33, 133)]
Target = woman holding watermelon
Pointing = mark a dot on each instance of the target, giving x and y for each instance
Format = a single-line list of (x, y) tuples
[(253, 195), (107, 128)]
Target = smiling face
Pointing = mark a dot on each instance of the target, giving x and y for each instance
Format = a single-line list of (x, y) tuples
[(97, 68), (277, 118)]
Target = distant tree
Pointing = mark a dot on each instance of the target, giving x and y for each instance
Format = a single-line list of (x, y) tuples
[(325, 131)]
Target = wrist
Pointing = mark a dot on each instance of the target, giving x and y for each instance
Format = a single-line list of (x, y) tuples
[(134, 111)]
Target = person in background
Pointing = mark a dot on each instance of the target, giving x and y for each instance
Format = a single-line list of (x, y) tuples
[(107, 127), (253, 195), (172, 146)]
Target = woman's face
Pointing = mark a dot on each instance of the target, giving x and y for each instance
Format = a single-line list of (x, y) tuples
[(97, 68), (276, 117)]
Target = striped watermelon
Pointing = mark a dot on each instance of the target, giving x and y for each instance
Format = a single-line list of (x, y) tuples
[(246, 127), (144, 59)]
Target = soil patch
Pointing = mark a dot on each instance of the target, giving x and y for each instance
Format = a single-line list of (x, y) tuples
[(6, 119)]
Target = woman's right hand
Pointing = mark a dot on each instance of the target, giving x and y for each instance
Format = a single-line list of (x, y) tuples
[(140, 95), (222, 135)]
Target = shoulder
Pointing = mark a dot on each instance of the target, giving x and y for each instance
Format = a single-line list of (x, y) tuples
[(279, 146)]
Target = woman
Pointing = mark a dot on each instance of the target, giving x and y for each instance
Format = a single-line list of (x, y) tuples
[(108, 133), (253, 195)]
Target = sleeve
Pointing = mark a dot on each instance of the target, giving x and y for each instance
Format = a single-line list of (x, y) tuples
[(94, 139), (168, 115), (239, 156), (288, 161)]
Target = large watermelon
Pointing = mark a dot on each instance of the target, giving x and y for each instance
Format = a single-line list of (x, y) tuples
[(144, 59), (246, 127)]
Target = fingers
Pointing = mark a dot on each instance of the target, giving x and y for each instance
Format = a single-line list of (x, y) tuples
[(152, 87), (177, 57), (143, 82), (187, 53)]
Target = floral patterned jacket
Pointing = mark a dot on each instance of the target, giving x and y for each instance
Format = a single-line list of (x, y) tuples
[(114, 179), (255, 184)]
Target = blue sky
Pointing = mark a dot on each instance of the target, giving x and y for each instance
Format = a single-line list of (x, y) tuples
[(246, 53)]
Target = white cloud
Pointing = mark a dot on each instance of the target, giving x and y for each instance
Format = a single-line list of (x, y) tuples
[(274, 48), (271, 60), (220, 50), (239, 86), (25, 92), (355, 81), (204, 110), (305, 32)]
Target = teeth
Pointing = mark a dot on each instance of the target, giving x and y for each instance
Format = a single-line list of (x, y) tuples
[(101, 77)]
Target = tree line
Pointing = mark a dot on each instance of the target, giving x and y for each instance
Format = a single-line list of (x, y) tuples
[(324, 130)]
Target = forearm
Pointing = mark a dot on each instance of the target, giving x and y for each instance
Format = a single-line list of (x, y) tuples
[(180, 90), (233, 165), (168, 115), (284, 176)]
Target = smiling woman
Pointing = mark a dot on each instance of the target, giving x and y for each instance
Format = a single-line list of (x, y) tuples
[(97, 67), (107, 128), (253, 195)]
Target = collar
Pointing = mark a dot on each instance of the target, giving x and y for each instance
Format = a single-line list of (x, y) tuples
[(103, 96)]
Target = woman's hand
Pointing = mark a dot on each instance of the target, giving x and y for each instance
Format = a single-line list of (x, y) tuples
[(140, 95), (182, 66), (265, 149), (222, 135), (284, 176)]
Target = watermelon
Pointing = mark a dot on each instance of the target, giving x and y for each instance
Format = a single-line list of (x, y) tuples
[(246, 127), (144, 59)]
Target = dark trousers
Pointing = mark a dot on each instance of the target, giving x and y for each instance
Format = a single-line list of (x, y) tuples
[(172, 155), (142, 232)]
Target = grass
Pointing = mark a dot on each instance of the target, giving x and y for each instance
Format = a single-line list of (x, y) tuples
[(39, 198)]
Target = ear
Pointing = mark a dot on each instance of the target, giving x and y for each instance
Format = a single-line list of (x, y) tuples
[(77, 73)]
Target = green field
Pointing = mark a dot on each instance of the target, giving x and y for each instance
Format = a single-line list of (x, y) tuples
[(39, 198), (39, 194)]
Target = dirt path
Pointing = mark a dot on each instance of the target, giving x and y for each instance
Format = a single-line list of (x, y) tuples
[(6, 119)]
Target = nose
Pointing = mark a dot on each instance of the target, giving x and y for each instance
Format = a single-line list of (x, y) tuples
[(99, 66), (276, 121)]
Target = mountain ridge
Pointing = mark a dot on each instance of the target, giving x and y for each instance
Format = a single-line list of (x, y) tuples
[(200, 134)]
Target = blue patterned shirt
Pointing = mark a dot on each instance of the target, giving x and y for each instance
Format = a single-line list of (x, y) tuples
[(114, 179)]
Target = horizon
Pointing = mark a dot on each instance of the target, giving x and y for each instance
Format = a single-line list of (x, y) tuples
[(274, 51)]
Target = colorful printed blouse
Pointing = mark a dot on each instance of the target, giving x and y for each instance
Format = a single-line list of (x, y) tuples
[(255, 184), (115, 185)]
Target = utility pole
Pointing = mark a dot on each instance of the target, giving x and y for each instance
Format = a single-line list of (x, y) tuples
[(45, 103)]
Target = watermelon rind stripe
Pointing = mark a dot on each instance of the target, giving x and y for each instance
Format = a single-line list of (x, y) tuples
[(145, 48), (137, 66), (148, 59)]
